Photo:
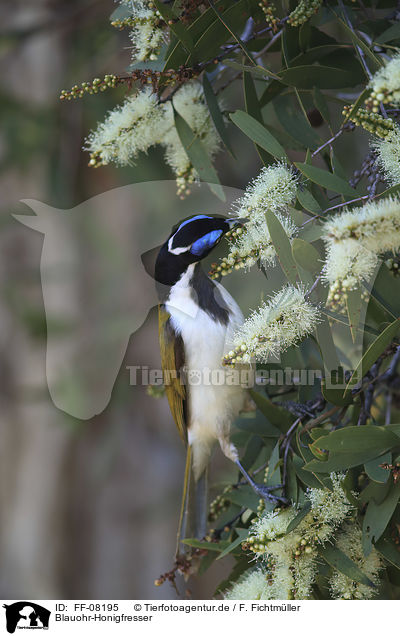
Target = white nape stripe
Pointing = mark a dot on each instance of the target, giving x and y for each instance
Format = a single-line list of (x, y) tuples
[(176, 250)]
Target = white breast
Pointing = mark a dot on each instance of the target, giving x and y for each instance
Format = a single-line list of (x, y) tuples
[(213, 404)]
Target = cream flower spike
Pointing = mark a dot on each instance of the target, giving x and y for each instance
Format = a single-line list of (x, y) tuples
[(354, 239), (276, 325)]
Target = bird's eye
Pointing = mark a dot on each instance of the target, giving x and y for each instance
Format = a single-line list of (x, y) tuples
[(206, 243)]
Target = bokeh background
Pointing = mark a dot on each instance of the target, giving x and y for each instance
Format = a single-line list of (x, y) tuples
[(89, 509)]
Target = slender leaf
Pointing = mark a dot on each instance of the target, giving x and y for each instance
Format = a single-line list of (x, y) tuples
[(278, 416), (374, 62), (353, 305), (341, 562), (307, 201), (198, 156), (358, 439), (392, 33), (326, 179), (307, 77), (282, 246), (375, 471), (216, 114), (306, 256), (373, 352), (377, 517), (299, 517), (257, 133)]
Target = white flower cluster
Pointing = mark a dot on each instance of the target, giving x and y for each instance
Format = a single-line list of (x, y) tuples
[(127, 130), (142, 122), (275, 326), (273, 189), (350, 542), (354, 239), (252, 586), (385, 84), (148, 29), (289, 561), (388, 155)]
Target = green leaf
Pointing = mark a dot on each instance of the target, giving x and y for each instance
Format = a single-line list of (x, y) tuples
[(257, 427), (306, 256), (327, 347), (299, 517), (353, 305), (392, 33), (377, 517), (307, 77), (374, 470), (215, 34), (307, 201), (207, 545), (326, 179), (181, 32), (282, 246), (274, 473), (198, 156), (273, 89), (253, 109), (358, 439), (235, 544), (245, 497), (251, 98), (216, 114), (306, 477), (258, 71), (257, 133), (373, 352), (226, 22), (321, 104), (316, 54), (294, 123), (340, 461), (341, 562), (278, 416), (374, 63), (389, 551)]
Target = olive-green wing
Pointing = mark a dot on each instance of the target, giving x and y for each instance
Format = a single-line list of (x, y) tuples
[(172, 360)]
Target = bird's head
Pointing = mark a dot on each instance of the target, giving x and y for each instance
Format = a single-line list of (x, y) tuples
[(190, 241)]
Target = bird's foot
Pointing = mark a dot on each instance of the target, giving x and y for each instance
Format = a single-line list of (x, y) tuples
[(263, 491)]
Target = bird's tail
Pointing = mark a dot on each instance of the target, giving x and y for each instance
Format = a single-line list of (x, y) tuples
[(194, 506)]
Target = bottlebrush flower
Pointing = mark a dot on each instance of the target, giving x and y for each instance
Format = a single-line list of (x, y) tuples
[(291, 559), (127, 130), (190, 103), (385, 84), (354, 239), (342, 587), (273, 189), (275, 326), (388, 156), (142, 122), (252, 586), (251, 244), (148, 29)]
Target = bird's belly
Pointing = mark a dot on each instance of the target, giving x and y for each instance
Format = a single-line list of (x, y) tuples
[(215, 396)]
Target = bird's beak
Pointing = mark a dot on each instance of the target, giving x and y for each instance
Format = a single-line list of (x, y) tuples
[(237, 222)]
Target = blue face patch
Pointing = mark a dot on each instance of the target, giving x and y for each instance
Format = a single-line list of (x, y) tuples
[(194, 218), (206, 242)]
